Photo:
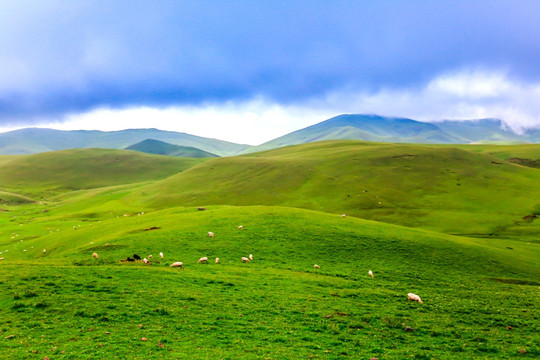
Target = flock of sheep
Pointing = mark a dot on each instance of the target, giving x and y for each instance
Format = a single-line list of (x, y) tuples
[(204, 260)]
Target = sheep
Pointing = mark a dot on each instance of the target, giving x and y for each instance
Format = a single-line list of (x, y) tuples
[(414, 297), (240, 227), (150, 256), (250, 257), (136, 257), (177, 264), (316, 266), (95, 255), (210, 234), (161, 255), (203, 260), (44, 250), (343, 215), (217, 260), (1, 258), (245, 259), (370, 273), (107, 244), (146, 261)]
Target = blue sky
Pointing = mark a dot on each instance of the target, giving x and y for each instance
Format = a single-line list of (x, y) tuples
[(249, 71)]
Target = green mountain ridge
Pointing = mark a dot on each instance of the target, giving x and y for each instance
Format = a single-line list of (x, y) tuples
[(36, 140), (401, 130), (156, 147)]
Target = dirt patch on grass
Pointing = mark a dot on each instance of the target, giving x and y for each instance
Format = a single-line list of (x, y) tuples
[(526, 162), (515, 281)]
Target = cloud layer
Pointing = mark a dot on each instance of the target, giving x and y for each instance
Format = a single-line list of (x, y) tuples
[(60, 60)]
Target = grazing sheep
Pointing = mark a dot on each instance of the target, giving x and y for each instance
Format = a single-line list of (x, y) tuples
[(107, 244), (250, 257), (414, 297), (177, 264), (130, 259), (136, 257), (1, 258), (203, 260), (201, 208), (245, 259), (217, 260), (343, 215), (240, 227), (210, 234), (95, 255), (316, 266), (161, 255), (146, 261), (44, 250), (150, 256), (370, 273)]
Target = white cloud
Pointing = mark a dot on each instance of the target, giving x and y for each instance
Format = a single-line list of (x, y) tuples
[(252, 122), (462, 95), (458, 95)]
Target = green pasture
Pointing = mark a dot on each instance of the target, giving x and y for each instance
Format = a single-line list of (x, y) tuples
[(465, 249)]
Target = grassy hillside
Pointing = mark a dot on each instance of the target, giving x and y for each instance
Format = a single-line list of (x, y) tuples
[(440, 188), (479, 298), (49, 173), (526, 154), (151, 146)]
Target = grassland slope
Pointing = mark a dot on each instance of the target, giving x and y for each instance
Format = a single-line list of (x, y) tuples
[(277, 306), (67, 170), (440, 188)]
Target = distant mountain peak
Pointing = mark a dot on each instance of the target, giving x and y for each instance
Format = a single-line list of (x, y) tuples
[(371, 127)]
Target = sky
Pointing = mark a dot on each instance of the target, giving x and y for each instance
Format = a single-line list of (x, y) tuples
[(250, 71)]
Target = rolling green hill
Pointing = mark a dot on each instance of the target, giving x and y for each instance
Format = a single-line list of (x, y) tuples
[(479, 292), (35, 140), (416, 186), (400, 130), (46, 174), (278, 306), (151, 146)]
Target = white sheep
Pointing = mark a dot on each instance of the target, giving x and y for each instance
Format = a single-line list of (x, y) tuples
[(43, 250), (370, 273), (316, 266), (161, 255), (414, 297), (150, 256), (95, 255), (1, 258), (210, 234), (343, 215), (250, 257), (146, 261), (240, 227), (203, 260), (217, 260), (177, 264), (245, 259)]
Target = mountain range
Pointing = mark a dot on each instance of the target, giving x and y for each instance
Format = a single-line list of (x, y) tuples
[(350, 126)]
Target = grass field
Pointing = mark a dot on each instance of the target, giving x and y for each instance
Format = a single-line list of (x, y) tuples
[(480, 293)]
